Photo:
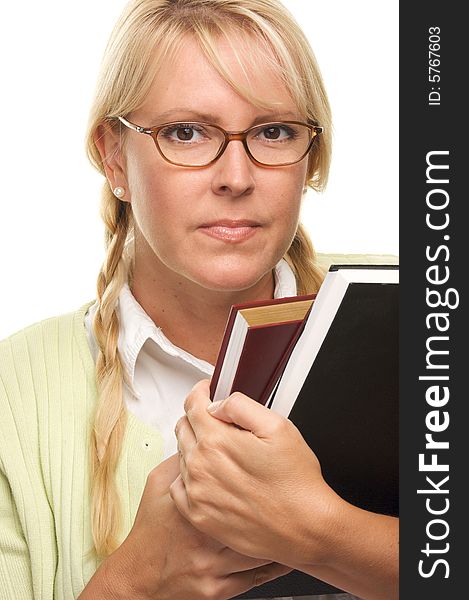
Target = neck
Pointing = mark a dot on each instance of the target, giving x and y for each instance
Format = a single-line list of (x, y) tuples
[(191, 316)]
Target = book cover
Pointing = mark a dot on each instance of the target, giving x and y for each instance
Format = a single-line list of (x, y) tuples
[(259, 337), (265, 351), (341, 387)]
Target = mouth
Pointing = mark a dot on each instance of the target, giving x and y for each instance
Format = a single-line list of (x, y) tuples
[(230, 230)]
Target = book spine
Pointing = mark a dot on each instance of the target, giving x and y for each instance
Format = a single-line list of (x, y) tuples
[(222, 351), (263, 351), (276, 375)]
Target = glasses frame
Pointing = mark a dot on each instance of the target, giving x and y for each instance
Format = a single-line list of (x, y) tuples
[(229, 136)]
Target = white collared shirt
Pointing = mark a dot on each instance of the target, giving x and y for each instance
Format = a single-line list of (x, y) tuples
[(162, 374)]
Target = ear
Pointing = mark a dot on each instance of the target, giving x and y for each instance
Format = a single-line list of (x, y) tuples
[(109, 144)]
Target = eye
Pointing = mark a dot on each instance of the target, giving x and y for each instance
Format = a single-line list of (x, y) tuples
[(185, 133), (276, 132)]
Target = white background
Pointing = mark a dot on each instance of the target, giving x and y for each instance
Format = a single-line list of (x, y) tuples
[(51, 235)]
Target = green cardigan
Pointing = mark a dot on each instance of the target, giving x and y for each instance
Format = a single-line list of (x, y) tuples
[(47, 396)]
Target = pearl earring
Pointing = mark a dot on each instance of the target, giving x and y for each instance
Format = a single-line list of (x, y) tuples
[(119, 192)]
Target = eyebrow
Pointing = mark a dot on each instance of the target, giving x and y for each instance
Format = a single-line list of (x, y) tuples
[(190, 114)]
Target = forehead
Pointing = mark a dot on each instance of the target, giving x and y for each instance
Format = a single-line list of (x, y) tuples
[(189, 82)]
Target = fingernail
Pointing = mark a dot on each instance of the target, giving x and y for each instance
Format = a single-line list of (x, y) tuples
[(214, 406)]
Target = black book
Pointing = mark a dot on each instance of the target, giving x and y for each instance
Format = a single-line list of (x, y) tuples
[(341, 387)]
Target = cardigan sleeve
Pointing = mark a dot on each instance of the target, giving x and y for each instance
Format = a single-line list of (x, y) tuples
[(28, 556), (15, 567)]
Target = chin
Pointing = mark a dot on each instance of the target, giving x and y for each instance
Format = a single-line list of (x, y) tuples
[(234, 278)]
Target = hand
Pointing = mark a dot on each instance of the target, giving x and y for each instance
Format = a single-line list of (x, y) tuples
[(249, 479), (165, 557)]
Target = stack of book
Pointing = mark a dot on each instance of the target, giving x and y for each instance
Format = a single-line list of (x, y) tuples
[(329, 362)]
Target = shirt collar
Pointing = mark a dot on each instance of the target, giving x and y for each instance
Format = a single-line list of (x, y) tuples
[(285, 280), (136, 327)]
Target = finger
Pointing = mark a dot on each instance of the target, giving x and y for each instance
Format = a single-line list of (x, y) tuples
[(233, 562), (182, 466), (195, 407), (247, 414), (186, 440), (177, 491), (236, 583)]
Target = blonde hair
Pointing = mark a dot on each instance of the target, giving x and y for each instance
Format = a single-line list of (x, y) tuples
[(147, 33)]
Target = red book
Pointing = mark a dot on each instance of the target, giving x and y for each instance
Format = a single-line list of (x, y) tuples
[(258, 340)]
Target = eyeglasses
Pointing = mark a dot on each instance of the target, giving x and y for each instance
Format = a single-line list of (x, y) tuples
[(194, 144)]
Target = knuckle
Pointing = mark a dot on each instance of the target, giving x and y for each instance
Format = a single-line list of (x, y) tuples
[(205, 458), (211, 589), (280, 425), (210, 448), (198, 520), (196, 497), (194, 468), (233, 399), (207, 445), (203, 565), (192, 492)]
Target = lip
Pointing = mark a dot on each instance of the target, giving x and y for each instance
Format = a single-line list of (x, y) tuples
[(229, 230)]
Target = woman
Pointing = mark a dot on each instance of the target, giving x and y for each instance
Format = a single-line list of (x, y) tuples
[(209, 120)]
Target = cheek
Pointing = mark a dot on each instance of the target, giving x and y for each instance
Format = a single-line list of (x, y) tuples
[(290, 221), (158, 187), (163, 209), (154, 196), (153, 214), (286, 200)]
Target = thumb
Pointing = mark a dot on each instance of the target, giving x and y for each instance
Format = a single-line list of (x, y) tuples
[(246, 413)]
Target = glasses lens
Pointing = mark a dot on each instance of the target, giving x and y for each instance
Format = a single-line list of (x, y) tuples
[(279, 143), (190, 144)]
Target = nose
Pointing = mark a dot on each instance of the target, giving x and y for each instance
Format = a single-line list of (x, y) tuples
[(233, 172)]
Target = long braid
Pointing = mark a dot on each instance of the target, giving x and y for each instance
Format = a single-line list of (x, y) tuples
[(110, 417)]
